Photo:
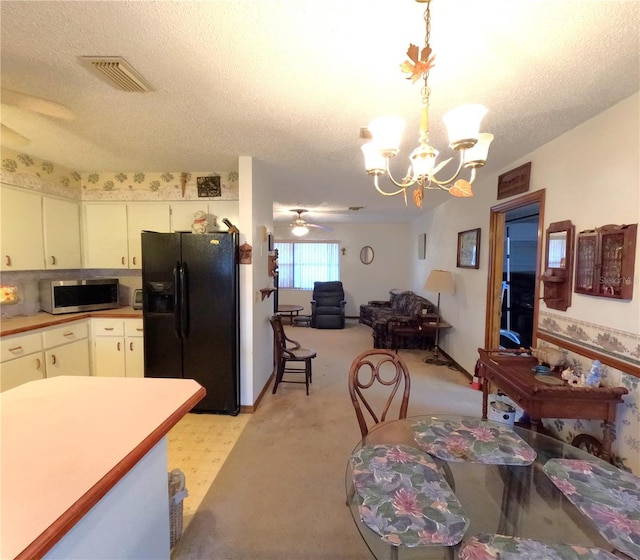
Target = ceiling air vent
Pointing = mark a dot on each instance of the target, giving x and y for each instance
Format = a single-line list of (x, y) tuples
[(116, 71)]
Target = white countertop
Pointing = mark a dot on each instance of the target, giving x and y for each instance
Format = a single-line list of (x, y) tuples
[(66, 441)]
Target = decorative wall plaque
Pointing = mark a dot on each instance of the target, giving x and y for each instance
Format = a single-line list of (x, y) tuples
[(515, 181), (209, 186)]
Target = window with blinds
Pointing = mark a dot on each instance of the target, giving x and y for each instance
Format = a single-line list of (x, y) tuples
[(302, 263)]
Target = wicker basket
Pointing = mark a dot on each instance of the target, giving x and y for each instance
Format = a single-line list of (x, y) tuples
[(177, 494)]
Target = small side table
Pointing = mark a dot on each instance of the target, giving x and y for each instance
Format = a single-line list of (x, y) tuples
[(422, 327)]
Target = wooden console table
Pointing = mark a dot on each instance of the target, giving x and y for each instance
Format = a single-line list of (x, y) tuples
[(512, 372)]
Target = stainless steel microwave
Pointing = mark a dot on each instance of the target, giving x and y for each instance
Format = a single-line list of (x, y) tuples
[(68, 296)]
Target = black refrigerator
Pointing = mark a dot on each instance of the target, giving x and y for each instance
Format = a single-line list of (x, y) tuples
[(190, 285)]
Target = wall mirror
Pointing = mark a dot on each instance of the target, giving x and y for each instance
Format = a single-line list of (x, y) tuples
[(559, 245), (366, 255), (558, 265)]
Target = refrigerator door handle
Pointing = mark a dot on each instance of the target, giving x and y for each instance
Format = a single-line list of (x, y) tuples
[(176, 299), (184, 301)]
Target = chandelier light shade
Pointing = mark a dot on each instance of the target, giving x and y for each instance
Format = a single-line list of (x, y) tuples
[(463, 126), (299, 231)]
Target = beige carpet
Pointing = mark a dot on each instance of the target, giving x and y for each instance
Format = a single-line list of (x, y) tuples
[(281, 494)]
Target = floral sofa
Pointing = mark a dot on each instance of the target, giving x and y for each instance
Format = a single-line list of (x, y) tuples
[(402, 307)]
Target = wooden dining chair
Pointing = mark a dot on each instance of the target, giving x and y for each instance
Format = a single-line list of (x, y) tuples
[(371, 370), (288, 351)]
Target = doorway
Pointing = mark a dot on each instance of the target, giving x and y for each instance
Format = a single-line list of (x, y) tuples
[(514, 266)]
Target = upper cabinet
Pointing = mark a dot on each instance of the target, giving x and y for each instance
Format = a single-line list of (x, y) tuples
[(39, 232), (61, 224), (105, 242), (605, 261), (140, 217), (21, 229)]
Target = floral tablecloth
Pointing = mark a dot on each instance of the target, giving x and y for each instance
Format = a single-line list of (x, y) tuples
[(404, 498), (609, 497), (488, 547), (472, 440)]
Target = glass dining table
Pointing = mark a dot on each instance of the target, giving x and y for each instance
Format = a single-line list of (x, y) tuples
[(490, 488)]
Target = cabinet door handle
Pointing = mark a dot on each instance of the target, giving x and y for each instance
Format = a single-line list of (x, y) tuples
[(118, 347), (8, 260), (108, 328), (131, 346), (38, 363), (53, 260), (16, 349), (69, 334), (139, 330), (122, 260), (134, 260), (53, 359)]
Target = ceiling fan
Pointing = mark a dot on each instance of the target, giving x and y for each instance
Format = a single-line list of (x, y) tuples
[(300, 226), (32, 104)]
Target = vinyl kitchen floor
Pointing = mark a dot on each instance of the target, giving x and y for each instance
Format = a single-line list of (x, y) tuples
[(198, 445)]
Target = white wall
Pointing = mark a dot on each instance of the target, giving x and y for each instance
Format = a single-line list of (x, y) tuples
[(389, 269), (256, 212), (591, 175)]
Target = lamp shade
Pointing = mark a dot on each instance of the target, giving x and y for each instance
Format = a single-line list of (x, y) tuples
[(387, 133), (440, 282), (463, 125), (299, 231)]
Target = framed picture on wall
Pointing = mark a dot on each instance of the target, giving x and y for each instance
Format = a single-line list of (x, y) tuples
[(422, 246), (469, 249)]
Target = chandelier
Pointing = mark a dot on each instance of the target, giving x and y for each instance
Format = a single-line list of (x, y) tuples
[(463, 125)]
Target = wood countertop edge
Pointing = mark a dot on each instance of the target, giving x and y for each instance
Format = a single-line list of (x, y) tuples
[(56, 320), (57, 530)]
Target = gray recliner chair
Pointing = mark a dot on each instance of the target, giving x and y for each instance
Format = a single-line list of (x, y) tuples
[(328, 305)]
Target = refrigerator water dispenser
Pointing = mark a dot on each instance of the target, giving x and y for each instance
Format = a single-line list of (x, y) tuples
[(160, 297)]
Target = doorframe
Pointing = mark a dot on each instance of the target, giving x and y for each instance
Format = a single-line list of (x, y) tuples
[(496, 264)]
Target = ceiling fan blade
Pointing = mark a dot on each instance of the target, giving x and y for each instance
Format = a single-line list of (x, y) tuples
[(36, 105), (12, 138), (326, 228)]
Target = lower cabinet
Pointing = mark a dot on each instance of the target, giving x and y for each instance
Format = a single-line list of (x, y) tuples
[(62, 350), (19, 371), (67, 349), (117, 347)]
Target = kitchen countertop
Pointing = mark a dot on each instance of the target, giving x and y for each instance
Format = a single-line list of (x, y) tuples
[(66, 441), (22, 324)]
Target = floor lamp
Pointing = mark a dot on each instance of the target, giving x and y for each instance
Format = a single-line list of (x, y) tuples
[(441, 282)]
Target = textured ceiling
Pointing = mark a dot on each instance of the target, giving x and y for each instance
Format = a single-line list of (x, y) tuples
[(290, 82)]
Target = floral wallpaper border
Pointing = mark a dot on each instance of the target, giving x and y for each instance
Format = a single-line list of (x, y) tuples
[(612, 342), (39, 175), (35, 174), (618, 344)]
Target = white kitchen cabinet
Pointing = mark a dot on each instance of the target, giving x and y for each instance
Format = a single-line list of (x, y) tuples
[(67, 349), (141, 216), (21, 360), (62, 350), (134, 351), (61, 226), (21, 230), (21, 370), (118, 347), (105, 243)]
